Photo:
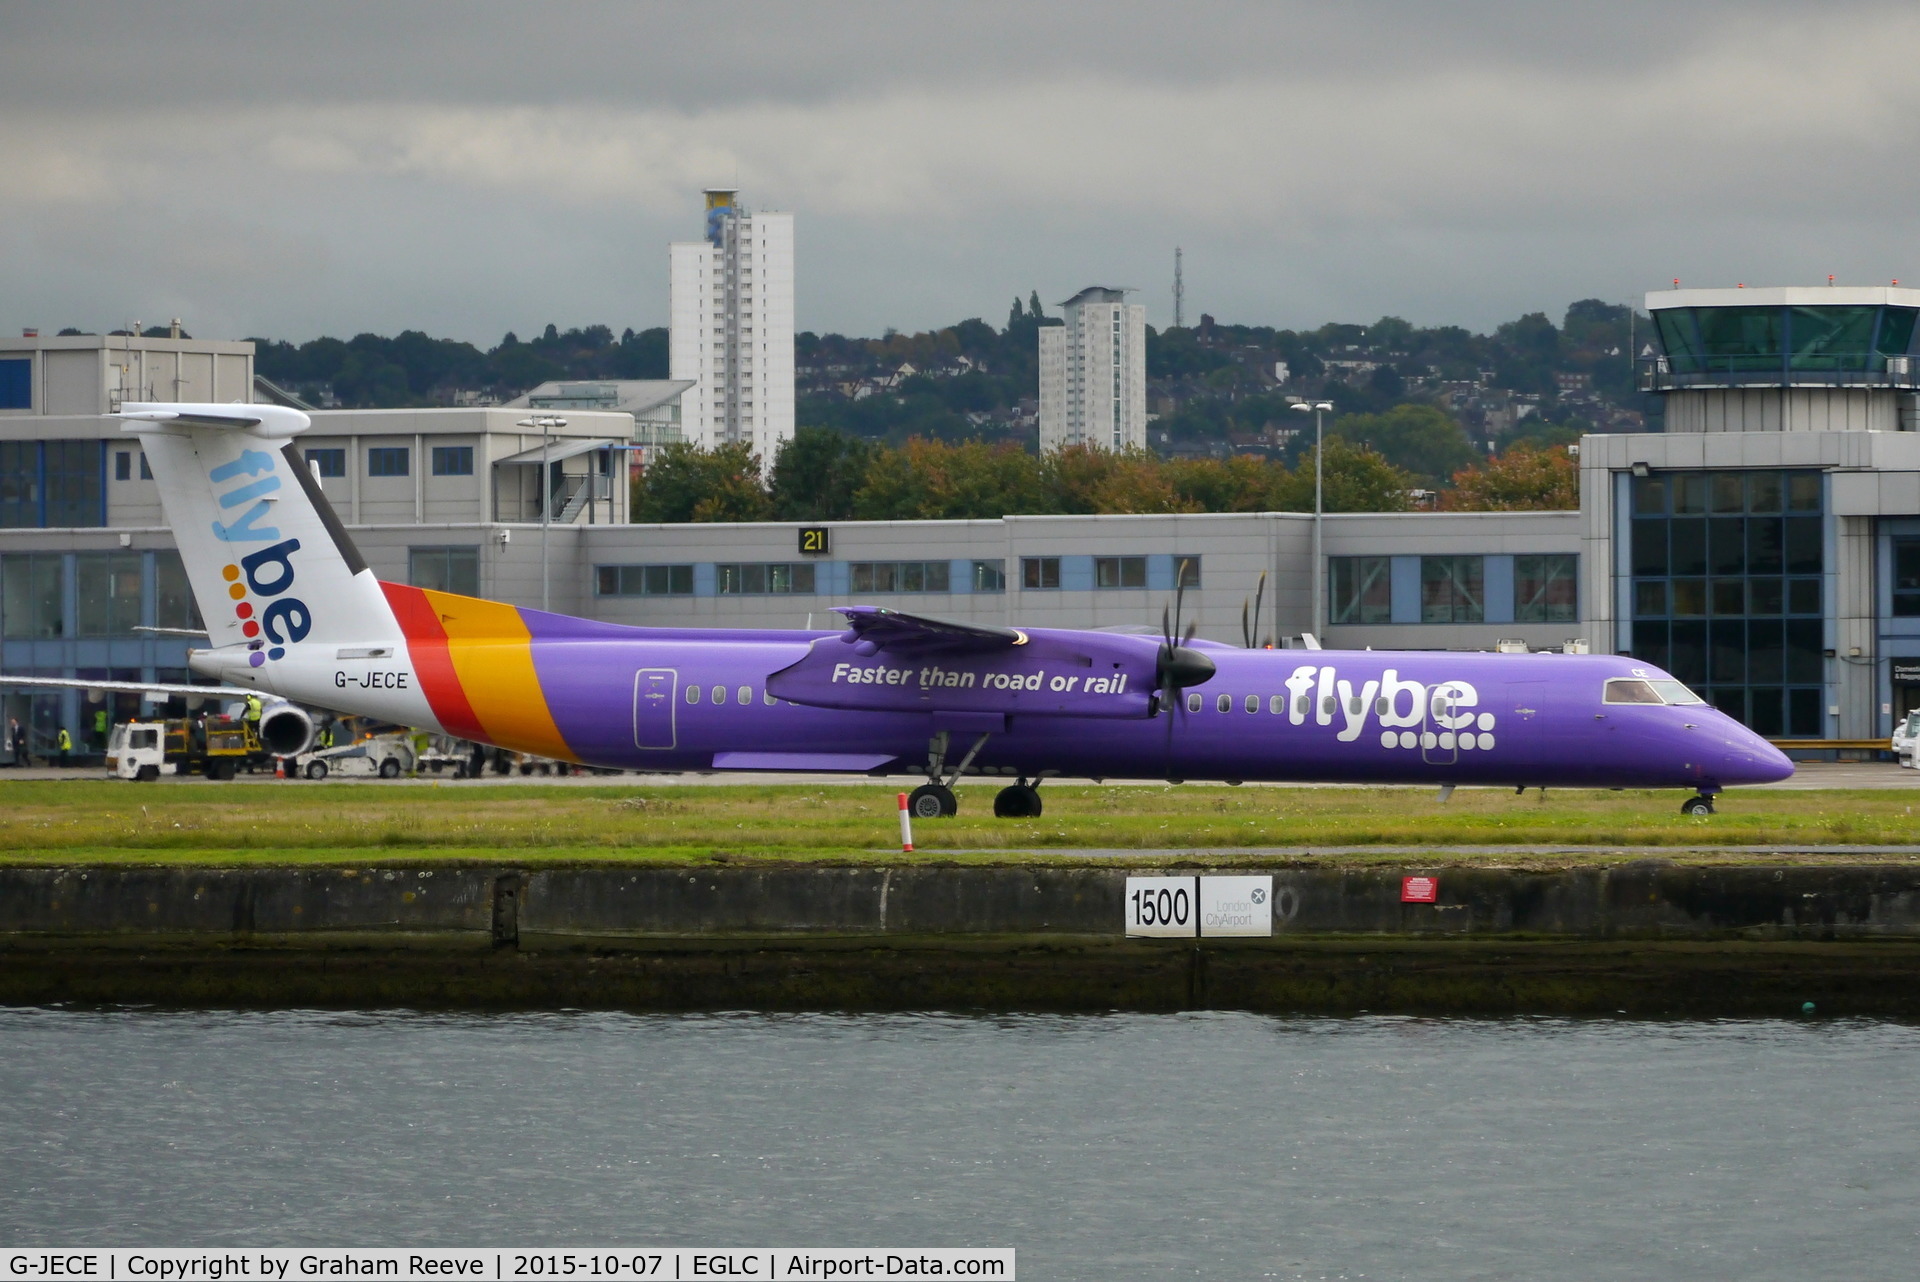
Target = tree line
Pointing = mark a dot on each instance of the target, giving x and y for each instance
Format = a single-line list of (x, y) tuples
[(824, 475)]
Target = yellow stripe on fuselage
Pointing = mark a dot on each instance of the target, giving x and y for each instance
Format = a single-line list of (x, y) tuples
[(492, 653)]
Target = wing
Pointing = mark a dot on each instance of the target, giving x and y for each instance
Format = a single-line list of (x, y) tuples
[(875, 628)]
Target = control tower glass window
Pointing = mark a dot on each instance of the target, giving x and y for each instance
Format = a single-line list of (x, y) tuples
[(1819, 344), (1726, 591)]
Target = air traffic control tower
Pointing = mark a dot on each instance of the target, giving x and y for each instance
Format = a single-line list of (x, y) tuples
[(1766, 547)]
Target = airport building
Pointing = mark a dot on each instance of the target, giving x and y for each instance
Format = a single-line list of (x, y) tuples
[(1769, 555)]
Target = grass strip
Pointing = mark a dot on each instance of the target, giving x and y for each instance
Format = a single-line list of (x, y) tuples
[(66, 821)]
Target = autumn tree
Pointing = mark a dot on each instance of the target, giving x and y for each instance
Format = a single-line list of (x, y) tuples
[(1524, 479), (1421, 439), (1356, 478), (686, 483)]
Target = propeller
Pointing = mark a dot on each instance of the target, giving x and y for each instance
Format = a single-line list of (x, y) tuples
[(1250, 613), (1179, 665)]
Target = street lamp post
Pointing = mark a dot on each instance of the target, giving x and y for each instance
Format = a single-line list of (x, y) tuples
[(546, 423), (1319, 408)]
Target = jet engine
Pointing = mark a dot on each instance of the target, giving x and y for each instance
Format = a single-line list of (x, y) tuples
[(286, 730)]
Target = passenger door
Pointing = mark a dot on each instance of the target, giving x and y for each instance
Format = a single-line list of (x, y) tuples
[(653, 707)]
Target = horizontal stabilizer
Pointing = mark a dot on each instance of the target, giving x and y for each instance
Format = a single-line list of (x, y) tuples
[(162, 689)]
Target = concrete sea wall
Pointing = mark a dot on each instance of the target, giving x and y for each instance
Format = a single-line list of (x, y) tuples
[(1646, 938)]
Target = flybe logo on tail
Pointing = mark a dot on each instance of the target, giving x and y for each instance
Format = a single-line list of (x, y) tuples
[(259, 582)]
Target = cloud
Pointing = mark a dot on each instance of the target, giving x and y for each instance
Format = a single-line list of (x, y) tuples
[(1545, 161)]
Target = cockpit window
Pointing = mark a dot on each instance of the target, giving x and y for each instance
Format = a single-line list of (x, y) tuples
[(1638, 690), (1632, 690), (1674, 692)]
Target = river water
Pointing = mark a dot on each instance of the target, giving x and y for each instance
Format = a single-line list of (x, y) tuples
[(1125, 1146)]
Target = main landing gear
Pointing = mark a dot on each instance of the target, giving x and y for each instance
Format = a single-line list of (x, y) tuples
[(1700, 805), (1017, 801), (934, 799)]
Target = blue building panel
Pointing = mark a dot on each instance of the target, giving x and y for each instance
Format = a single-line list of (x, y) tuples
[(1405, 583), (1076, 574), (1498, 584)]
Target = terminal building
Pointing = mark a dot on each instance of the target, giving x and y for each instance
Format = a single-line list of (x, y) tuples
[(1765, 548)]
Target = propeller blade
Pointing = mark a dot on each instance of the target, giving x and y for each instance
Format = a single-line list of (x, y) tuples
[(1259, 595), (1192, 629), (1246, 625)]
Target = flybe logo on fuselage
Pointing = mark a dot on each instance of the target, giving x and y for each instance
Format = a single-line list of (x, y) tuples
[(258, 582), (1409, 714)]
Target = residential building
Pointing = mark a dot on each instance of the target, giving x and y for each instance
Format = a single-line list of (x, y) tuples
[(732, 326), (1093, 373)]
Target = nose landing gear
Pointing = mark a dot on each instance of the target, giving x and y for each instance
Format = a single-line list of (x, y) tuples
[(1700, 805)]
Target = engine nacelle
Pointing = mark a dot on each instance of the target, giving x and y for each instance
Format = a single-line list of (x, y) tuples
[(286, 731)]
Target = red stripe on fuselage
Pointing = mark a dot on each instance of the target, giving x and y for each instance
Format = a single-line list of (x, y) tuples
[(432, 663)]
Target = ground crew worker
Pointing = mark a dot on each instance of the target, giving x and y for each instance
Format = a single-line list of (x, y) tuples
[(100, 728), (17, 737), (65, 743), (325, 738), (252, 714)]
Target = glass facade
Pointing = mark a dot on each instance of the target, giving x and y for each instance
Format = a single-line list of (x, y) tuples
[(455, 570), (1120, 571), (1452, 589), (107, 593), (1362, 589), (1783, 341), (49, 484), (644, 580), (33, 595), (1545, 588), (760, 578), (1726, 591), (898, 576)]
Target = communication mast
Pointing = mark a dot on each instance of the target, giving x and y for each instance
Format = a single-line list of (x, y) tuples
[(1179, 293)]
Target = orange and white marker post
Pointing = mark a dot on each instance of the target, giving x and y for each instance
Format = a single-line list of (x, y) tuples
[(906, 827)]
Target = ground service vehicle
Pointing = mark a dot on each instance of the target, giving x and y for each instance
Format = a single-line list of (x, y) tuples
[(383, 756), (137, 750), (230, 746), (1905, 737)]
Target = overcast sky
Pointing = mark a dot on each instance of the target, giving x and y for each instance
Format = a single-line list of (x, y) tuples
[(305, 168)]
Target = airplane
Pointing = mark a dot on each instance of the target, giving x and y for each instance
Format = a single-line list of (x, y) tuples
[(293, 611)]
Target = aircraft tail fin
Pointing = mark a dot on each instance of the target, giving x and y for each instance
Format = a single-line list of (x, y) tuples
[(270, 563)]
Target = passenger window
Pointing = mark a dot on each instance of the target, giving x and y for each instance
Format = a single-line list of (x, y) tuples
[(1193, 703), (1329, 705), (1631, 690), (1380, 707), (1253, 703), (1224, 703), (693, 694), (719, 694), (745, 695), (1300, 706), (767, 698), (1277, 705)]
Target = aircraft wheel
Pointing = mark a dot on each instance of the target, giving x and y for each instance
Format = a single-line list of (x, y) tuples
[(1018, 801), (1697, 806), (390, 769), (221, 771), (147, 774), (932, 801), (316, 770)]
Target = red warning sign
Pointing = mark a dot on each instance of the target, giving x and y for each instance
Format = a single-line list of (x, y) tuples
[(1419, 890)]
